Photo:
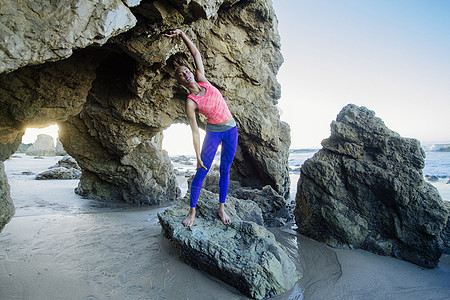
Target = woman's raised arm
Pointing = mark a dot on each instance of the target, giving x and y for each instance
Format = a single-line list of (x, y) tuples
[(199, 68)]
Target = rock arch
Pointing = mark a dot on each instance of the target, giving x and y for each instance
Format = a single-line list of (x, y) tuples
[(113, 98)]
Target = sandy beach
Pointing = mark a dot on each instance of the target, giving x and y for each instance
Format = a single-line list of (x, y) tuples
[(61, 246)]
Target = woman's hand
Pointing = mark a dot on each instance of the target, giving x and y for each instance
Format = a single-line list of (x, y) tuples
[(173, 33), (199, 68), (200, 164)]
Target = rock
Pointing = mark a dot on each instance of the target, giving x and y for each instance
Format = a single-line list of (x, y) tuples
[(296, 170), (6, 204), (113, 100), (432, 178), (365, 189), (275, 210), (65, 168), (43, 146), (67, 162), (182, 159), (59, 173), (132, 3), (36, 32), (23, 148), (9, 140), (244, 254), (445, 233), (59, 149)]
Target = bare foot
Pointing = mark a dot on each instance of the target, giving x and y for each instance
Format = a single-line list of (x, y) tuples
[(223, 215), (190, 218)]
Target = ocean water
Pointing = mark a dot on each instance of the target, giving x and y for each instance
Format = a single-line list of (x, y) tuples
[(436, 171)]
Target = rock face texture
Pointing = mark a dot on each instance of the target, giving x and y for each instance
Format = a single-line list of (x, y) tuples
[(104, 73), (6, 204), (243, 254), (35, 32), (43, 146), (445, 234), (365, 189)]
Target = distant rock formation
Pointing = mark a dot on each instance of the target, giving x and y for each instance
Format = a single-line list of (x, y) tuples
[(365, 189), (23, 148), (243, 254), (43, 146), (59, 149), (104, 73)]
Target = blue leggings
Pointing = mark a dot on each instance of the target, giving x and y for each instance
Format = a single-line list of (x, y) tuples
[(210, 144)]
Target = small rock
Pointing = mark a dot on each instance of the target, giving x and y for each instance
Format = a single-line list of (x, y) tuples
[(432, 178), (182, 159), (59, 173), (67, 162)]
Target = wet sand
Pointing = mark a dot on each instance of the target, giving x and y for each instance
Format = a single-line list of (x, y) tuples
[(61, 246)]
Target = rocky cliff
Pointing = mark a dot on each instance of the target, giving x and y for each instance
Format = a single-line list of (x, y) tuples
[(365, 189), (104, 73)]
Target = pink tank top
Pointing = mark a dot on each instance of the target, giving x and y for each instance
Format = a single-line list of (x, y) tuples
[(211, 104)]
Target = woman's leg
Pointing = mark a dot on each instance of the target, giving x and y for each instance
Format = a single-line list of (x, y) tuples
[(209, 149), (229, 145)]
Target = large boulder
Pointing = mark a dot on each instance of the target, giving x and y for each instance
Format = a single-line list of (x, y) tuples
[(365, 189), (43, 146), (242, 254)]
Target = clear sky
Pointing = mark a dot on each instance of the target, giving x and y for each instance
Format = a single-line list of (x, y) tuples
[(392, 56)]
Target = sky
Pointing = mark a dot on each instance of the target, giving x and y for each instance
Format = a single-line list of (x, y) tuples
[(392, 56)]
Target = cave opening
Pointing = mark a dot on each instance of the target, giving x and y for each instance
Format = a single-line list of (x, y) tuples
[(31, 136)]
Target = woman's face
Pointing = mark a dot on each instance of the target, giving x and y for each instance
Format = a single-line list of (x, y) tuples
[(184, 75)]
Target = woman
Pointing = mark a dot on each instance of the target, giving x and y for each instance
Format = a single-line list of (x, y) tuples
[(220, 128)]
